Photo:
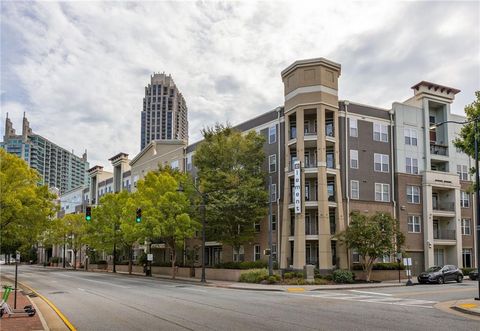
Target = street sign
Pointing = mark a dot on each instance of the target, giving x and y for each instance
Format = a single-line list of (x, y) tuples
[(407, 261), (149, 257), (297, 190), (18, 257), (157, 246)]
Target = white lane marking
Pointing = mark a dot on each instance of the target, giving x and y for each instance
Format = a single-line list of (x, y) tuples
[(374, 293), (95, 281), (375, 299)]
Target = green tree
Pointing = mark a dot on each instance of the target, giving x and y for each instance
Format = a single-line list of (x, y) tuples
[(229, 166), (25, 206), (466, 138), (372, 237), (75, 233), (165, 210), (113, 224)]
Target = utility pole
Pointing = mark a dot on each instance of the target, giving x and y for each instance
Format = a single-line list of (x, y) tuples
[(477, 202)]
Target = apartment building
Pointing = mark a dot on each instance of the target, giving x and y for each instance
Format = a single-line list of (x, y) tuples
[(326, 158), (164, 113), (434, 203), (56, 166)]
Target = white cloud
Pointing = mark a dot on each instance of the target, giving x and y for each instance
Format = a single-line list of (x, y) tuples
[(79, 68)]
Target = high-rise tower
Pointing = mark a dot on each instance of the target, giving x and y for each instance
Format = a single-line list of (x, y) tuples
[(164, 114)]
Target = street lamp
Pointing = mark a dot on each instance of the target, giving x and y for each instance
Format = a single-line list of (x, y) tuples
[(204, 196), (477, 187)]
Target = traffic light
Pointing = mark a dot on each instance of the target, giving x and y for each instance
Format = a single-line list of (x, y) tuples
[(138, 219), (88, 213)]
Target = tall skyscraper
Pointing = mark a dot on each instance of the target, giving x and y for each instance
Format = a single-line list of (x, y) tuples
[(56, 166), (164, 114)]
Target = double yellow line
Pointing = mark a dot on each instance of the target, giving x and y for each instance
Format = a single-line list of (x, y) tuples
[(59, 313)]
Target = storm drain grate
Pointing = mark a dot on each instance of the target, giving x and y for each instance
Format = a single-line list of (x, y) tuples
[(57, 292), (32, 295)]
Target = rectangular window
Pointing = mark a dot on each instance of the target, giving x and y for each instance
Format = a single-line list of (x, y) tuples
[(273, 192), (355, 256), (189, 162), (466, 227), (380, 132), (413, 194), (272, 134), (354, 189), (353, 159), (353, 127), (410, 136), (414, 224), (239, 256), (464, 199), (174, 164), (382, 192), (381, 162), (272, 163), (256, 226), (462, 171), (256, 252), (411, 166), (467, 257), (274, 222), (306, 127), (274, 252)]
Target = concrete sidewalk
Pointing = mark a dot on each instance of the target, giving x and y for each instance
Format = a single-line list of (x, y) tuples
[(469, 306), (45, 318), (273, 287)]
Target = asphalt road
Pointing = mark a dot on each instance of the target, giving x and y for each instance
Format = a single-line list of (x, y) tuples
[(101, 301)]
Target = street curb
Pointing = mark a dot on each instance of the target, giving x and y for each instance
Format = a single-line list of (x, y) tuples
[(465, 311), (357, 287), (248, 288), (49, 303)]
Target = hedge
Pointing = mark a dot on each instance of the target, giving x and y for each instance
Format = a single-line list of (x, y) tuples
[(381, 266), (242, 265)]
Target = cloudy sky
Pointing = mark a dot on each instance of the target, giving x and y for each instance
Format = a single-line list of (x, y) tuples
[(78, 69)]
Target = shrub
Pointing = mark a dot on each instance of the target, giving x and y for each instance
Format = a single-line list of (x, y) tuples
[(103, 262), (381, 266), (254, 276), (321, 281), (273, 279), (242, 265), (55, 259), (342, 276), (466, 271)]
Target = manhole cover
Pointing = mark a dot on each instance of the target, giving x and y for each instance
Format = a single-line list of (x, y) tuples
[(32, 295)]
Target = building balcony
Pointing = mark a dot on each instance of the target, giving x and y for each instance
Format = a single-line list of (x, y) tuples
[(437, 149), (446, 209), (444, 237)]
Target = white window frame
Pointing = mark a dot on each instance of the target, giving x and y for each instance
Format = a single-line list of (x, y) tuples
[(256, 251), (413, 194), (466, 227), (274, 163), (353, 131), (464, 199), (189, 162), (462, 171), (272, 132), (355, 256), (274, 252), (273, 192), (411, 137), (175, 164), (467, 251), (354, 159), (381, 130), (411, 165), (414, 225), (237, 255), (383, 190), (354, 191), (383, 160)]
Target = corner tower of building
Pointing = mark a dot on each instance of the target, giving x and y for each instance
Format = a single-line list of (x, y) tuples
[(164, 114), (314, 210)]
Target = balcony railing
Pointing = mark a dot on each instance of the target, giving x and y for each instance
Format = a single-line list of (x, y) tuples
[(438, 149), (444, 206), (311, 229), (444, 234)]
